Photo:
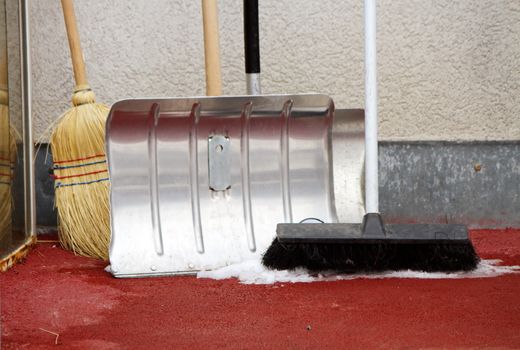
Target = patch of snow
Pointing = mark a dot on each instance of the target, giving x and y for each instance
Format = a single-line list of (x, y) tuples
[(253, 272)]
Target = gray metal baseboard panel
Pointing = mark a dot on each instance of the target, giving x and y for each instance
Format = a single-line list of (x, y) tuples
[(473, 183), (45, 212)]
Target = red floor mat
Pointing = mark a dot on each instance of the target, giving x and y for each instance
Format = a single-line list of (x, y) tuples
[(56, 292)]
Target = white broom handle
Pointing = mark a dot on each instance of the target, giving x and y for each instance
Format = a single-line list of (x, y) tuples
[(371, 154)]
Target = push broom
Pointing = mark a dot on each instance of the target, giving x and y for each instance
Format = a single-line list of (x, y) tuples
[(80, 169), (371, 245)]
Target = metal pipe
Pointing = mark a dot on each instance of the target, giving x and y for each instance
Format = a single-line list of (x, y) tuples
[(371, 151), (253, 84), (28, 147)]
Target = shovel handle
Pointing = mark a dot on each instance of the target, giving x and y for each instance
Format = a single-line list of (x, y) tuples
[(78, 64), (211, 48), (251, 36), (252, 47)]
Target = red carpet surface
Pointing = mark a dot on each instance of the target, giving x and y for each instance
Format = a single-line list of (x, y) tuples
[(57, 300)]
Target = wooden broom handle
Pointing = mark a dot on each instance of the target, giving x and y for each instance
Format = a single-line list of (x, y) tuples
[(78, 64), (3, 68), (211, 47)]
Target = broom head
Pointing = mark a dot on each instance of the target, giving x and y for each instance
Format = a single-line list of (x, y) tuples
[(81, 176), (371, 247)]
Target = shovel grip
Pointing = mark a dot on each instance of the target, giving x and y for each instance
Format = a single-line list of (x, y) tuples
[(211, 47), (78, 64), (251, 36)]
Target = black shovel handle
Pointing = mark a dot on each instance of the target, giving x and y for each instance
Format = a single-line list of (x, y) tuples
[(251, 36)]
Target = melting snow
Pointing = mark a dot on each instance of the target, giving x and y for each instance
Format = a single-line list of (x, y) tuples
[(253, 272)]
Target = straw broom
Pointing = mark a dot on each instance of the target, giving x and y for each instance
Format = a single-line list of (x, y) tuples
[(80, 168)]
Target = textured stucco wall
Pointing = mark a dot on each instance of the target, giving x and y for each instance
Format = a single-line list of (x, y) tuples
[(448, 70)]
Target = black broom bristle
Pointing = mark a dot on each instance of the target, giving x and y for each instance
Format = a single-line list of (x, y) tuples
[(364, 257)]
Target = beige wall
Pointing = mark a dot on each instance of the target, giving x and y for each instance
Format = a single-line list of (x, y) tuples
[(448, 70)]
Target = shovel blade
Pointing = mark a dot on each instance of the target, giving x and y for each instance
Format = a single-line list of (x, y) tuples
[(199, 183)]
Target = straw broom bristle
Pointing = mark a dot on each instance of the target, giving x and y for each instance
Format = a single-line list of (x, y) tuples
[(81, 177)]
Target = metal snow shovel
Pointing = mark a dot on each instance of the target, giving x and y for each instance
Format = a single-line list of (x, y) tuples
[(201, 182)]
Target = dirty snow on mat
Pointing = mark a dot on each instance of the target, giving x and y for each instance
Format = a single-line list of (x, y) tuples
[(253, 272)]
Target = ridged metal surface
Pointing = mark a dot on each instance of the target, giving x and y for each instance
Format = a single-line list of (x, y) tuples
[(166, 219)]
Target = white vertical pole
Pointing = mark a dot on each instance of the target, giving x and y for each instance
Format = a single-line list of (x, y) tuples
[(371, 154)]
